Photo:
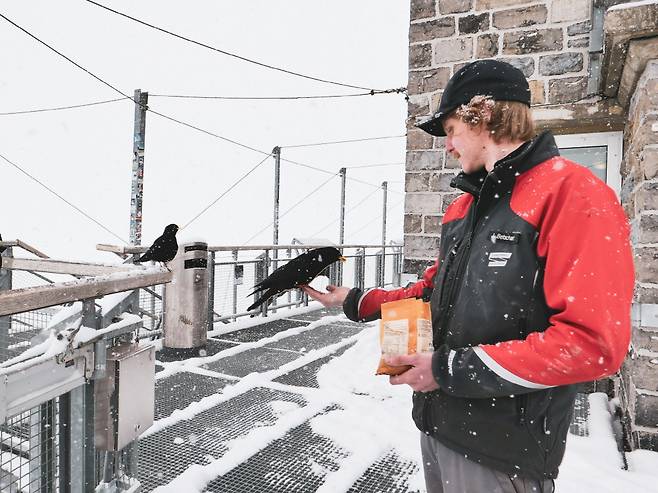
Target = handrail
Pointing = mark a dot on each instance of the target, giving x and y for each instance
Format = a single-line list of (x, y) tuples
[(140, 249), (24, 246)]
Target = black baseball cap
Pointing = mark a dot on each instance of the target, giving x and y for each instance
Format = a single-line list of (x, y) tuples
[(500, 80)]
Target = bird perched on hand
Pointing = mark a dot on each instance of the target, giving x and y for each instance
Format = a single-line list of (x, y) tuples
[(164, 248), (297, 272)]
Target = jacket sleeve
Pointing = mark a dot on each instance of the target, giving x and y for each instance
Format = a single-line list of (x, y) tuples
[(365, 307), (588, 285)]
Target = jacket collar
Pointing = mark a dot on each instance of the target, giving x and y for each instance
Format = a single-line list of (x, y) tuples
[(529, 155)]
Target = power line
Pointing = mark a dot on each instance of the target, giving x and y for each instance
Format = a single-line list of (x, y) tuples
[(224, 52), (162, 115), (33, 178), (374, 219), (346, 213), (293, 207), (344, 141), (58, 108), (225, 192), (277, 98), (374, 166)]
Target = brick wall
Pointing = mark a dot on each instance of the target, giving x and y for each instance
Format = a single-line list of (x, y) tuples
[(639, 385), (548, 41)]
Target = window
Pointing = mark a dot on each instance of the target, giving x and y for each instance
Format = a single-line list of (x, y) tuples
[(600, 152)]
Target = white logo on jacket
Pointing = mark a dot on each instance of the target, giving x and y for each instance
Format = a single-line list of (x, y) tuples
[(499, 259)]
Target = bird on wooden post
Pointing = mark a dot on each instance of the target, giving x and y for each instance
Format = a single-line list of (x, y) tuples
[(164, 248)]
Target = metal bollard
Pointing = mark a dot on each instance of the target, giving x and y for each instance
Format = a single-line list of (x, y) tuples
[(186, 300)]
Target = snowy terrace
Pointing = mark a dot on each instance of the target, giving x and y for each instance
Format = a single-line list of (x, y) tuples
[(283, 403)]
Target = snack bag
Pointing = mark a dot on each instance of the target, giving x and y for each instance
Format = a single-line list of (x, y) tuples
[(405, 328)]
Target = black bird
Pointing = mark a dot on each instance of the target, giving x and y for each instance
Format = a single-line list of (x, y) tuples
[(299, 271), (164, 248)]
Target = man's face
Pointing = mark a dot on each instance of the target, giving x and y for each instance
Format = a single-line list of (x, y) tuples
[(465, 143)]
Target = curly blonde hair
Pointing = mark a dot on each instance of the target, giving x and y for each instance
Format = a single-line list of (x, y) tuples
[(504, 120)]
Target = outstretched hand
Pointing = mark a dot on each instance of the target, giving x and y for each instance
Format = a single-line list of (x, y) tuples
[(334, 297), (419, 377)]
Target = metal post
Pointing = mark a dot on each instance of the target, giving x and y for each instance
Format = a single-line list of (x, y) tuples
[(211, 290), (137, 189), (384, 208), (359, 268), (266, 262), (5, 322), (235, 283), (341, 232), (275, 228)]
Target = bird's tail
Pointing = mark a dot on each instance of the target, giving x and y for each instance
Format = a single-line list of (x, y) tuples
[(257, 288), (266, 296), (144, 258)]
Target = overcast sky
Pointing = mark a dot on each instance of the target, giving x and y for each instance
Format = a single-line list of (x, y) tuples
[(85, 154)]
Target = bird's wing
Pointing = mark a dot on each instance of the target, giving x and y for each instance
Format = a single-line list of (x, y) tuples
[(266, 296)]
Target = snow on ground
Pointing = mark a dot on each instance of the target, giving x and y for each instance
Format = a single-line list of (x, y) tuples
[(375, 417)]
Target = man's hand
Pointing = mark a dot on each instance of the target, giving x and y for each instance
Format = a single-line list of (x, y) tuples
[(335, 296), (419, 377)]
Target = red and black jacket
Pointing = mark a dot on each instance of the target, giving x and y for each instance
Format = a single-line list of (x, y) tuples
[(530, 295)]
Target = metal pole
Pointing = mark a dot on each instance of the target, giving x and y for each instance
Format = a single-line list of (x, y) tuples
[(341, 233), (384, 207), (137, 189), (211, 290), (275, 228), (235, 283), (5, 322)]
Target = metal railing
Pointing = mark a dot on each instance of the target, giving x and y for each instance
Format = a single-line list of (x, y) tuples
[(47, 398)]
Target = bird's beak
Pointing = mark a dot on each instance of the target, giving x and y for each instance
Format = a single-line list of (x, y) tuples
[(342, 259)]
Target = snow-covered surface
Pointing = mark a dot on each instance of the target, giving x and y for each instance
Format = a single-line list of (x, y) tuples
[(221, 328), (630, 5), (592, 464)]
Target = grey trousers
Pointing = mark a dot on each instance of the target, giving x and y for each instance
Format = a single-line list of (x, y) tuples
[(447, 471)]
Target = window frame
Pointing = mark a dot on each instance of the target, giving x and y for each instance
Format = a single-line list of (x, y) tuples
[(613, 141)]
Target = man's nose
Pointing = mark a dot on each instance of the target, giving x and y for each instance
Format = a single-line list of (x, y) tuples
[(449, 147)]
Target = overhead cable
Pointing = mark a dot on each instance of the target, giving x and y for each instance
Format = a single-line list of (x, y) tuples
[(346, 213), (235, 183), (292, 207), (170, 118), (344, 141), (42, 184), (59, 108), (224, 52), (277, 98)]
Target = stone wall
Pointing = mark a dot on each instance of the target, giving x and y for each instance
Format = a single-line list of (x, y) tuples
[(547, 40), (639, 385)]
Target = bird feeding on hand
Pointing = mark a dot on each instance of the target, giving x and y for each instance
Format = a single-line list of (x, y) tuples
[(164, 248), (297, 272)]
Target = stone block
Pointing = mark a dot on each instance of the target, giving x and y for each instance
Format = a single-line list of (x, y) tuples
[(532, 41), (646, 264), (448, 199), (421, 246), (649, 161), (413, 223), (473, 23), (578, 42), (486, 46), (536, 92), (646, 294), (417, 182), (579, 28), (571, 10), (420, 56), (526, 16), (567, 90), (647, 197), (416, 266), (451, 162), (418, 140), (643, 372), (454, 6), (418, 107), (496, 4), (424, 160), (645, 339), (524, 64), (422, 203), (428, 80), (420, 9), (432, 224), (440, 182), (429, 30), (561, 63), (646, 410), (647, 231), (453, 50)]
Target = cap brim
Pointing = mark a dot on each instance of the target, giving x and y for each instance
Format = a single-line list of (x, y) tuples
[(433, 125)]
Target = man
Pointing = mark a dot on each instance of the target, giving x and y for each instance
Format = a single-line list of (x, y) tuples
[(530, 294)]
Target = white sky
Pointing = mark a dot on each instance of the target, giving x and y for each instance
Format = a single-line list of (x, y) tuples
[(86, 154)]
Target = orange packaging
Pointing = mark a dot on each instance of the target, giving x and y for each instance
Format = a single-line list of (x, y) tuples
[(405, 328)]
